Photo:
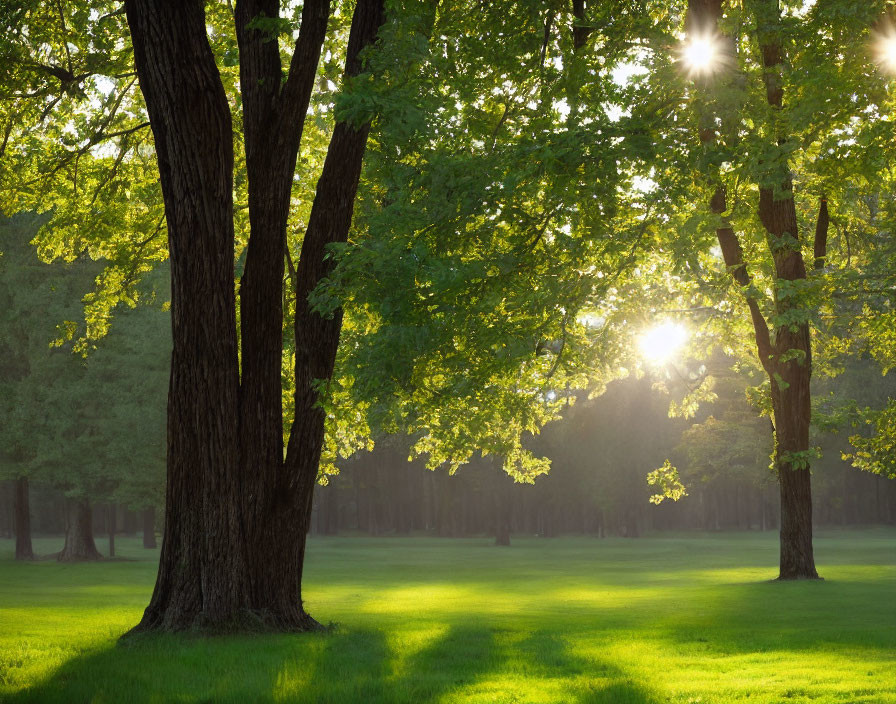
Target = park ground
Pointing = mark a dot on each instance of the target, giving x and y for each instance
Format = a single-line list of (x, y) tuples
[(682, 619)]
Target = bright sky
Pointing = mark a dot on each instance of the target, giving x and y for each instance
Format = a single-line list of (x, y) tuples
[(661, 343)]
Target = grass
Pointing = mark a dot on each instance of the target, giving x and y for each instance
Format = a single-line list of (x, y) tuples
[(677, 619)]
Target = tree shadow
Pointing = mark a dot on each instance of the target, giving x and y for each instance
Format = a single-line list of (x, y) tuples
[(455, 663), (594, 680), (795, 616)]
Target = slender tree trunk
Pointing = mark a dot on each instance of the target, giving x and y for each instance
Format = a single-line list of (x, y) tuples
[(149, 527), (9, 499), (110, 528), (791, 368), (24, 551), (79, 543), (503, 506), (785, 353)]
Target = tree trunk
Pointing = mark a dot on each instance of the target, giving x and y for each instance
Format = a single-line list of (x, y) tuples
[(785, 355), (79, 544), (503, 506), (110, 528), (9, 513), (149, 527), (24, 550), (790, 370), (792, 415), (237, 514)]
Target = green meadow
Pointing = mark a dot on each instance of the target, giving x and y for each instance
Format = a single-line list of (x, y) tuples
[(681, 619)]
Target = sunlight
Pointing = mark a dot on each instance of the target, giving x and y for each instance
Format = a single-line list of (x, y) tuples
[(663, 342), (700, 54), (885, 50)]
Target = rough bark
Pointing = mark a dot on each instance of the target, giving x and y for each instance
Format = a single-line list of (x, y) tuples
[(149, 527), (79, 543), (236, 513), (24, 550), (202, 575), (791, 399)]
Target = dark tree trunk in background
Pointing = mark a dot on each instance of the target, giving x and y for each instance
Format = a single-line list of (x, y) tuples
[(79, 543), (503, 505), (236, 512), (149, 527), (110, 528), (24, 550), (8, 491)]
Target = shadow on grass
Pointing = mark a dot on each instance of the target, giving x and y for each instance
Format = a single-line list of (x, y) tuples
[(592, 681), (789, 616), (458, 663)]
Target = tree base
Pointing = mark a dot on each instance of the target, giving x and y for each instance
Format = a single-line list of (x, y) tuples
[(245, 623), (79, 545), (796, 577), (70, 556)]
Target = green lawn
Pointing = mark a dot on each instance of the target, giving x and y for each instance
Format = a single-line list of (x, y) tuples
[(684, 619)]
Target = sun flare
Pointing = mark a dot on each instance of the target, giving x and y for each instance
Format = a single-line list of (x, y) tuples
[(700, 54), (885, 50), (662, 343)]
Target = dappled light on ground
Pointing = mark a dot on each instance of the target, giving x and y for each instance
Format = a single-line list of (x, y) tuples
[(616, 621)]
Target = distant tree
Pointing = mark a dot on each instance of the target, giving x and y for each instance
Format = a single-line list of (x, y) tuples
[(92, 427), (34, 299)]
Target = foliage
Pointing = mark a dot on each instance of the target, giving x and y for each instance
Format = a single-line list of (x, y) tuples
[(93, 427), (527, 206), (877, 453), (667, 482), (492, 230)]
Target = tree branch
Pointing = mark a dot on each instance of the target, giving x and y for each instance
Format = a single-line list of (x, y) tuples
[(733, 254), (303, 67), (821, 234), (580, 32)]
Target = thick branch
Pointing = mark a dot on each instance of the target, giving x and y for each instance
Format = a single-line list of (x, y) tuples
[(303, 66), (732, 253), (260, 73), (316, 336), (272, 127)]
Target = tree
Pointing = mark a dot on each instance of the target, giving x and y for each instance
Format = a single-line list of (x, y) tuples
[(226, 458), (35, 297), (760, 136), (92, 427), (237, 508)]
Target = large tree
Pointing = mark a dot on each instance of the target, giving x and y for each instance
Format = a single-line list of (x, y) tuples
[(237, 505)]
